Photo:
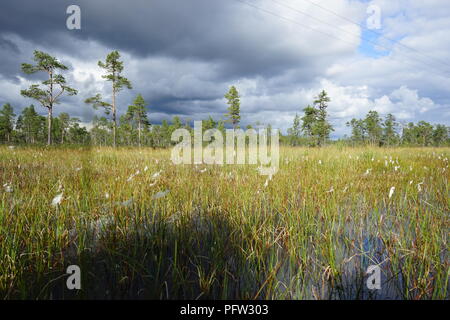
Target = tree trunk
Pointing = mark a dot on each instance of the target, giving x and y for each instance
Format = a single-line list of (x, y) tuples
[(49, 126), (114, 113), (139, 134), (50, 110)]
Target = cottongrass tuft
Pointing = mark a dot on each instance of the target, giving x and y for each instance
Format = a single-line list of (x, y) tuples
[(57, 200), (156, 174), (391, 192), (419, 186), (8, 188)]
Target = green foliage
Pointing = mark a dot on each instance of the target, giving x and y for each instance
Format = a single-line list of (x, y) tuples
[(315, 125), (136, 117), (321, 127), (49, 95), (308, 120), (113, 68), (6, 122), (374, 131), (373, 127), (390, 127), (97, 102), (234, 105), (358, 130)]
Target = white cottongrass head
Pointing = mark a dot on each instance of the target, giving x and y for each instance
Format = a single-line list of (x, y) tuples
[(57, 200), (8, 188), (419, 186), (156, 174), (391, 192), (133, 175)]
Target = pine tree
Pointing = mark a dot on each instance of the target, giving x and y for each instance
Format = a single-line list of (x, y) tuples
[(308, 121), (295, 131), (373, 127), (64, 121), (321, 128), (424, 133), (113, 67), (208, 124), (234, 103), (408, 134), (358, 130), (7, 122), (390, 136), (30, 124), (138, 113), (440, 135), (47, 96)]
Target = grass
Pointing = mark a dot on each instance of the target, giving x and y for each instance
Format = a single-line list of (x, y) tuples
[(310, 234)]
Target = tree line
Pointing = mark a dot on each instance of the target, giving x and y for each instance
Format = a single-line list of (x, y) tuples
[(134, 128), (373, 130), (376, 131)]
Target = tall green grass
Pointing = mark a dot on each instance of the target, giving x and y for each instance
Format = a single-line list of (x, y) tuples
[(221, 234)]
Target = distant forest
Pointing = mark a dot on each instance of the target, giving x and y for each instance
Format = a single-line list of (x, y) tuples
[(134, 128)]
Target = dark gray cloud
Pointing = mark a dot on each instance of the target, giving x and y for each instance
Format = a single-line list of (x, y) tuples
[(222, 32)]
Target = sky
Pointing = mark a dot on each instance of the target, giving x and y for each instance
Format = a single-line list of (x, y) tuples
[(183, 55)]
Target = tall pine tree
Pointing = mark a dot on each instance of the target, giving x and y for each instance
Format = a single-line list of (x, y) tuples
[(53, 88), (114, 68)]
